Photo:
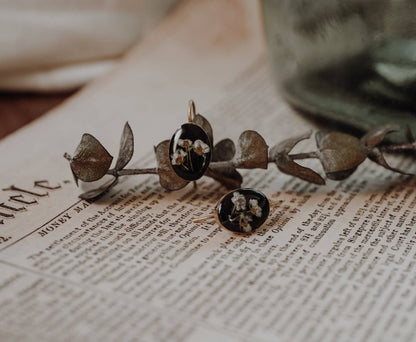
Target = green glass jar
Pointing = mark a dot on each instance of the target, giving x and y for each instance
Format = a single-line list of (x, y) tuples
[(352, 61)]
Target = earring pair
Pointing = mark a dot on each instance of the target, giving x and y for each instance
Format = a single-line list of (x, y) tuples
[(241, 211)]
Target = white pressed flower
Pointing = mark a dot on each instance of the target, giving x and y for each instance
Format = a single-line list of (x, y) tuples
[(244, 223), (255, 209), (185, 143), (178, 157), (200, 147), (239, 201), (247, 228)]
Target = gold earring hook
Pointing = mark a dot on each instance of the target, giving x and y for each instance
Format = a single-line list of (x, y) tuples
[(202, 219), (273, 204), (191, 111), (191, 118)]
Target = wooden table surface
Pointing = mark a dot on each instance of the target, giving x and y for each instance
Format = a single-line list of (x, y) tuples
[(18, 109)]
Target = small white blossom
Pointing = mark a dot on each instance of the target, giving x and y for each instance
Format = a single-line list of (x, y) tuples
[(200, 147), (255, 209), (178, 157), (186, 143), (244, 223), (247, 228), (239, 201)]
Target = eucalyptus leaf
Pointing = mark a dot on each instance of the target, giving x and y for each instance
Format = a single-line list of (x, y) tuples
[(318, 136), (228, 177), (287, 145), (251, 151), (96, 193), (340, 152), (69, 158), (224, 150), (126, 148), (409, 135), (340, 175), (75, 178), (376, 135), (280, 154), (202, 122), (91, 160), (376, 156), (168, 179)]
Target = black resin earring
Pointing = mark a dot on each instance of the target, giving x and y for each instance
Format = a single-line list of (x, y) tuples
[(241, 211), (190, 148)]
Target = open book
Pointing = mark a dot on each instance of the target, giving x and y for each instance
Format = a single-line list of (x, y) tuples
[(331, 263)]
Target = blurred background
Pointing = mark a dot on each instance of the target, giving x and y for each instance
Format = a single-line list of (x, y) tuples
[(349, 62), (50, 49)]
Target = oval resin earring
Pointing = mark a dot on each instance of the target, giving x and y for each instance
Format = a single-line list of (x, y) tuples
[(190, 149), (241, 211)]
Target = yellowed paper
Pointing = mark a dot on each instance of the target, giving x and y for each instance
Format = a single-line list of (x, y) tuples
[(332, 263)]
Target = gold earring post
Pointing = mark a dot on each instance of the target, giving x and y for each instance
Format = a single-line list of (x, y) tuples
[(202, 219), (273, 204)]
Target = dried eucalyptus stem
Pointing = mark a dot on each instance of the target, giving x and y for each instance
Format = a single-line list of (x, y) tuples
[(214, 165), (339, 153), (130, 172)]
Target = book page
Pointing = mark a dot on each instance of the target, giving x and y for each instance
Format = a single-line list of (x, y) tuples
[(331, 263)]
